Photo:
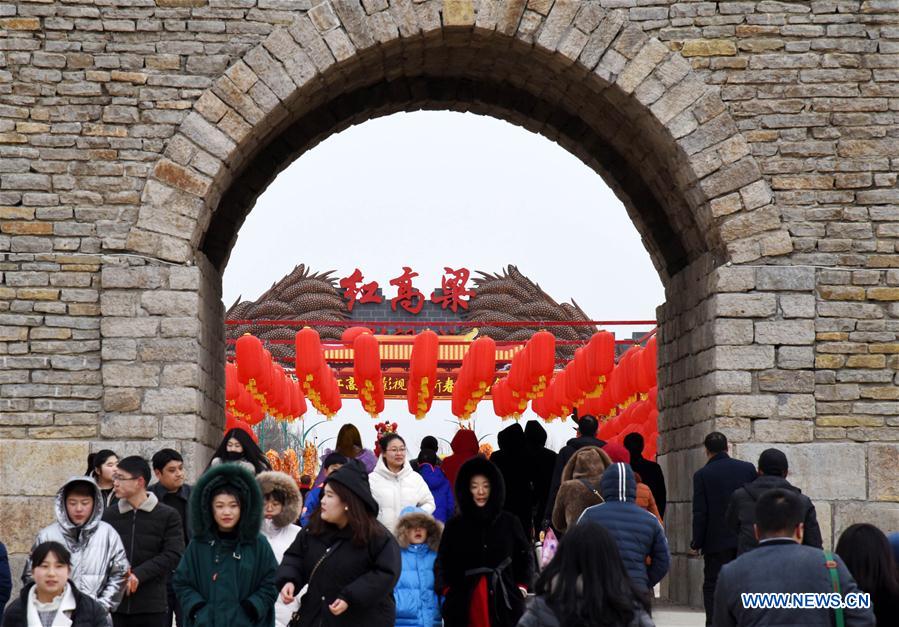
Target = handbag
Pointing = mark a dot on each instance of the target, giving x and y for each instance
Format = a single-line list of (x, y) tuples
[(550, 546), (295, 619)]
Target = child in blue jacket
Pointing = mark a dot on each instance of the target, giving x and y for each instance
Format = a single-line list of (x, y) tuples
[(418, 535)]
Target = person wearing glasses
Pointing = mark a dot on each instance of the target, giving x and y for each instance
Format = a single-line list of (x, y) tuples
[(394, 485), (99, 566), (154, 542)]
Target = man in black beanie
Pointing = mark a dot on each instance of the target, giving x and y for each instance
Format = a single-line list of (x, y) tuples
[(740, 514)]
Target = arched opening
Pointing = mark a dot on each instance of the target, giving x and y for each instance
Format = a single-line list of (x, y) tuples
[(626, 105)]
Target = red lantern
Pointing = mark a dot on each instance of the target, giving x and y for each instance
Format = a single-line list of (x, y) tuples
[(367, 372), (297, 400), (504, 405), (600, 356), (541, 350), (349, 335), (519, 377), (422, 373)]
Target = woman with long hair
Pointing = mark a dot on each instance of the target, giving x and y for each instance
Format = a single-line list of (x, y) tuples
[(52, 598), (485, 562), (867, 554), (395, 485), (348, 560), (101, 467), (238, 447), (586, 585), (226, 577)]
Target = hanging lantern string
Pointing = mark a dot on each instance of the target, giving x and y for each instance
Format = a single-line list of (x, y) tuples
[(432, 323)]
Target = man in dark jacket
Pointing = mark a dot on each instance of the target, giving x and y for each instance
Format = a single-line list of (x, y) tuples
[(171, 489), (5, 577), (740, 515), (637, 533), (154, 541), (586, 436), (514, 464), (712, 486), (649, 471), (781, 564), (541, 467)]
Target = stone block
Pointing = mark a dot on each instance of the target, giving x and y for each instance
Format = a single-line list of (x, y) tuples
[(786, 381), (130, 375), (745, 405), (129, 426), (170, 303), (795, 357), (783, 430), (786, 278), (732, 331), (171, 401), (21, 518), (883, 469), (882, 515), (38, 468), (797, 305), (745, 305), (789, 332), (183, 427), (708, 48), (796, 406), (806, 461), (733, 279), (743, 357)]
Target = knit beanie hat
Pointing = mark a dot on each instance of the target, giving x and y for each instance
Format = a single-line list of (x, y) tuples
[(353, 477)]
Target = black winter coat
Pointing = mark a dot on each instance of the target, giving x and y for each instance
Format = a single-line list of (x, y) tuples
[(541, 467), (651, 474), (478, 538), (540, 614), (364, 577), (88, 612), (5, 577), (712, 486), (515, 465), (564, 455), (154, 543), (740, 514)]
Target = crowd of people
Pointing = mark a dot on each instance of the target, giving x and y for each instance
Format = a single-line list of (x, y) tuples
[(384, 540)]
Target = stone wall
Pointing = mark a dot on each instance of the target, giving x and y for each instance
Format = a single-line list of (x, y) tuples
[(754, 144)]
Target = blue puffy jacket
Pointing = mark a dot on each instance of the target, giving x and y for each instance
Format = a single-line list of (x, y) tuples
[(637, 533), (440, 489), (416, 600), (313, 498)]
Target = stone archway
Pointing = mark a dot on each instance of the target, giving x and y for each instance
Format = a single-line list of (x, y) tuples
[(133, 140), (624, 103)]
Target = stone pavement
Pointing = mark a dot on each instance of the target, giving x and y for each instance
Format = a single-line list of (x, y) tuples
[(677, 616)]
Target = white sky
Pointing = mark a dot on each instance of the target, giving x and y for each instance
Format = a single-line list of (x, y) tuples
[(435, 189)]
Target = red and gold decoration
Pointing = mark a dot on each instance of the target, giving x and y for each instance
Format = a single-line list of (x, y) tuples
[(367, 373), (423, 373)]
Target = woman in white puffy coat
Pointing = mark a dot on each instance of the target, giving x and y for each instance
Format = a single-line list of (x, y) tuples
[(395, 485)]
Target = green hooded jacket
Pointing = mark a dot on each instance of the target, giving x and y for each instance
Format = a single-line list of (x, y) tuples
[(227, 582)]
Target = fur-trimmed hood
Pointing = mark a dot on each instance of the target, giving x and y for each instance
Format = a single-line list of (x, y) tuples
[(244, 482), (480, 466), (415, 517), (271, 481), (586, 462)]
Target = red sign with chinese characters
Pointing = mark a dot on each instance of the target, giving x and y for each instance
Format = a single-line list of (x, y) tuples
[(454, 292), (395, 385)]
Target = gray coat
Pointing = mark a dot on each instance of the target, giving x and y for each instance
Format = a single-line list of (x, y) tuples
[(99, 564), (782, 566)]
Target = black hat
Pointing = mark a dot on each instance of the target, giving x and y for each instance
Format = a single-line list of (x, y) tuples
[(429, 442), (353, 477), (773, 462), (333, 458)]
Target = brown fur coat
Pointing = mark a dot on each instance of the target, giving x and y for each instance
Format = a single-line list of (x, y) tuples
[(418, 519), (270, 481), (574, 497)]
